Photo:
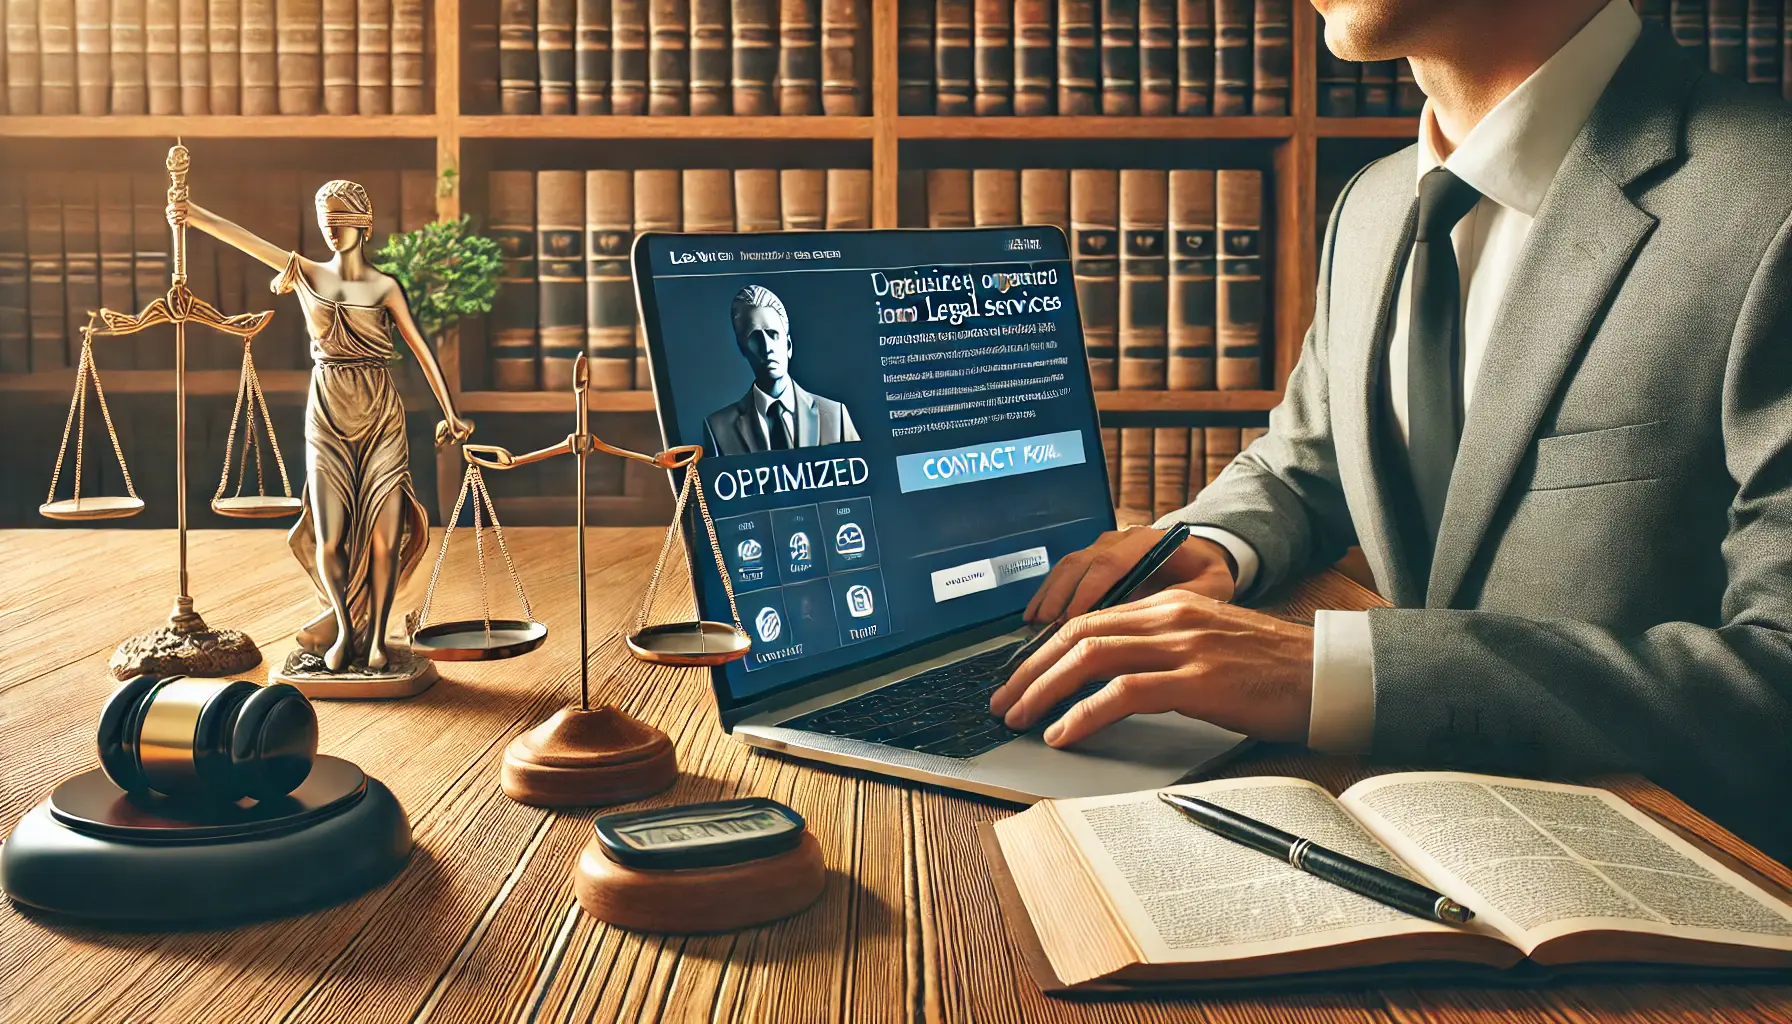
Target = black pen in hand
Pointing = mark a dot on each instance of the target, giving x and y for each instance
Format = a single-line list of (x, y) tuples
[(1118, 594), (1383, 887)]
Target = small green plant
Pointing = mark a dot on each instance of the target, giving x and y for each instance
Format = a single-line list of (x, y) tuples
[(447, 270)]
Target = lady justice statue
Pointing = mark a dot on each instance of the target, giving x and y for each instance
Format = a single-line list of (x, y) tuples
[(362, 529)]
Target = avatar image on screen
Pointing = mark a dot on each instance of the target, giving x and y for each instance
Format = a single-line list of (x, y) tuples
[(775, 414)]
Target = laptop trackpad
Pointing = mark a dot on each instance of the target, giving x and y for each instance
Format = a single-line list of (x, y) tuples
[(1138, 753)]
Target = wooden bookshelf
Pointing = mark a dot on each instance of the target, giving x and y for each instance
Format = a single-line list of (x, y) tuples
[(466, 144)]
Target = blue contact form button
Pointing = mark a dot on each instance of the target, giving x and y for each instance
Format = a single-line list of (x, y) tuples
[(988, 461)]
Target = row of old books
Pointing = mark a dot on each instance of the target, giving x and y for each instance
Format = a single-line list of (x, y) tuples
[(213, 57), (74, 241), (1169, 264), (671, 57), (567, 235), (1374, 88), (1154, 471), (1115, 57), (1746, 39)]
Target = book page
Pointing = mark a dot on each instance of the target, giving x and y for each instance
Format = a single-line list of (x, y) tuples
[(1542, 860), (1186, 894)]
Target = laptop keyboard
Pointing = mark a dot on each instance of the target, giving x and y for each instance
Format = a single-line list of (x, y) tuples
[(943, 711)]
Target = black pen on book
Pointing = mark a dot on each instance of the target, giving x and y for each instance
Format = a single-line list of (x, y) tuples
[(1383, 887), (1119, 593)]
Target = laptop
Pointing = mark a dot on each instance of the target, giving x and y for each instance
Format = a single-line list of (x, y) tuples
[(900, 440)]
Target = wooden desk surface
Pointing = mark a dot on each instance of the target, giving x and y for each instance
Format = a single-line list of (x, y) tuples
[(481, 926)]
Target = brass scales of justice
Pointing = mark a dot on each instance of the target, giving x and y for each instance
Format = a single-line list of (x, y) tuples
[(186, 645), (581, 756)]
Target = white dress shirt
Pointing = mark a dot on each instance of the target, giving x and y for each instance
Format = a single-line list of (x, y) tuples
[(1510, 157), (785, 405)]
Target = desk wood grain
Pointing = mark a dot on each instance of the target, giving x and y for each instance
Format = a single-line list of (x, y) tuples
[(482, 927)]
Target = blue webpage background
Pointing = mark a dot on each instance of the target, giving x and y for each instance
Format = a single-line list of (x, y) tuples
[(838, 352)]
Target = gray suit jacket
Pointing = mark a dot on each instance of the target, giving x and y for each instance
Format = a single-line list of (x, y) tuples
[(1612, 587), (734, 429)]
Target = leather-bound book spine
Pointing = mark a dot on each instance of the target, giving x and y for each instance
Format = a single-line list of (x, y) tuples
[(914, 56), (1221, 448), (373, 56), (56, 54), (802, 199), (233, 283), (1079, 59), (1035, 57), (1337, 81), (93, 75), (1144, 279), (1232, 57), (80, 255), (386, 194), (1248, 436), (1110, 451), (911, 198), (514, 348), (554, 57), (416, 199), (224, 72), (628, 56), (44, 255), (1655, 12), (799, 57), (1408, 98), (410, 93), (953, 60), (1197, 464), (849, 198), (1194, 58), (560, 266), (1686, 18), (1762, 31), (711, 63), (845, 59), (24, 64), (591, 57), (708, 199), (1157, 57), (668, 57), (129, 85), (755, 31), (1724, 35), (519, 70), (609, 291), (15, 306), (949, 198), (995, 197), (1375, 97), (260, 95), (658, 207), (1045, 198), (992, 57), (338, 43), (1239, 313), (756, 200), (1136, 445), (297, 46), (1095, 262), (1272, 44), (1169, 470), (1192, 250), (149, 263), (1119, 57)]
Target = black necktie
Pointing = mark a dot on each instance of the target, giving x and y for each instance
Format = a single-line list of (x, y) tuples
[(1434, 407), (777, 422)]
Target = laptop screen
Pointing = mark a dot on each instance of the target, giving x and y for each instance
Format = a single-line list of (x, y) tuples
[(899, 434)]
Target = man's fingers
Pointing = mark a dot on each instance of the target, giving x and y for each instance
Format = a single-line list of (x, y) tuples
[(1091, 658), (1053, 593), (1141, 693), (1106, 564)]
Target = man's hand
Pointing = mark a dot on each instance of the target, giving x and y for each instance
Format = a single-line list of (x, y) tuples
[(1081, 577), (1175, 651)]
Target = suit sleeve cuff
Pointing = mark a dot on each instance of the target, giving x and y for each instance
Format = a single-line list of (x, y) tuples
[(1243, 555), (1343, 716)]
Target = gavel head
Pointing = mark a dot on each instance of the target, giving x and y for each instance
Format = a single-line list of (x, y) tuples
[(211, 739)]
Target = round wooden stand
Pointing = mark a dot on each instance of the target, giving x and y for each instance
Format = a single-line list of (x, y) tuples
[(586, 758), (718, 899)]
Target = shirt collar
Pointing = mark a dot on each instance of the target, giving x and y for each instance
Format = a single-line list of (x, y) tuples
[(764, 402), (1513, 154)]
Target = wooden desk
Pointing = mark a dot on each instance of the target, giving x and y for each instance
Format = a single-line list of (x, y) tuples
[(482, 926)]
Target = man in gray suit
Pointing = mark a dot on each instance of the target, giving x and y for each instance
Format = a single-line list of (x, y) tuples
[(1548, 390), (775, 414)]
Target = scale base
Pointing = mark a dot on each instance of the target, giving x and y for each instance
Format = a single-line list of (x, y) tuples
[(588, 758), (177, 651), (405, 675), (92, 854)]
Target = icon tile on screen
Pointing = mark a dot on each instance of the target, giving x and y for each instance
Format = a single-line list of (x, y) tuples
[(768, 625), (849, 539)]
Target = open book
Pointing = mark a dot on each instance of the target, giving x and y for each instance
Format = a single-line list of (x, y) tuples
[(1122, 890)]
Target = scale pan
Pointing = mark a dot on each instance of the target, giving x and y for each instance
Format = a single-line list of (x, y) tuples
[(469, 640), (92, 508), (256, 506), (689, 643)]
